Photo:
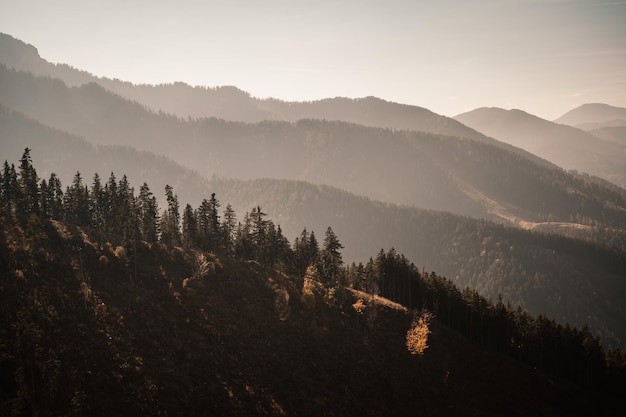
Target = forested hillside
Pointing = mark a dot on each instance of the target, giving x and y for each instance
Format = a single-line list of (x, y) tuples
[(65, 154), (230, 103), (447, 244), (103, 296), (545, 274), (436, 172), (336, 257)]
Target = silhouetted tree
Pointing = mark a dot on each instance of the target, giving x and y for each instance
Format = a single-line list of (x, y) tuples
[(29, 186), (148, 214), (229, 225), (305, 251), (190, 228), (209, 231), (98, 204), (112, 203), (170, 221), (330, 261), (10, 191), (76, 202)]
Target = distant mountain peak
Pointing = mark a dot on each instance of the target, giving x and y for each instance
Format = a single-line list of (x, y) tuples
[(17, 53), (592, 113), (566, 146)]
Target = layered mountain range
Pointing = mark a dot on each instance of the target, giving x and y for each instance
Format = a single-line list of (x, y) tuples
[(566, 146), (381, 174)]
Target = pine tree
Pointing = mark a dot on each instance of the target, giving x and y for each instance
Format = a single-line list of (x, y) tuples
[(148, 214), (305, 251), (6, 187), (43, 200), (330, 262), (214, 224), (129, 221), (371, 278), (97, 204), (209, 230), (190, 228), (111, 207), (356, 276), (281, 247), (125, 203), (229, 224), (243, 243), (314, 247), (170, 224), (76, 202), (204, 225), (29, 186), (55, 197), (258, 226)]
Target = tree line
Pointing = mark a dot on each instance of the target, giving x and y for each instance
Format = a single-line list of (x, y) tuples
[(538, 341), (112, 210)]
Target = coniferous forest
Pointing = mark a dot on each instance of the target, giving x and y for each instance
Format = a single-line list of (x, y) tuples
[(178, 250), (62, 249)]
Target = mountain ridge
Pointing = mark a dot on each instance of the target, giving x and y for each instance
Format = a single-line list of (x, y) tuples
[(337, 153), (592, 113), (231, 103), (566, 146), (491, 258), (478, 172)]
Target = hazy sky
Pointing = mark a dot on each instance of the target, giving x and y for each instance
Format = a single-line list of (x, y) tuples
[(542, 56)]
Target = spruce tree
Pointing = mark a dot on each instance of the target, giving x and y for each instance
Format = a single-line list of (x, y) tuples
[(170, 225), (97, 204), (190, 228), (111, 206), (305, 252), (209, 230), (330, 262), (28, 182), (148, 214), (77, 203), (229, 224)]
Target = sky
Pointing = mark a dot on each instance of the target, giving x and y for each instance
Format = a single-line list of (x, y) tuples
[(450, 56)]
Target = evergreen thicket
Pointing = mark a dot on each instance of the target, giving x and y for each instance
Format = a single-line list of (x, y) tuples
[(114, 213)]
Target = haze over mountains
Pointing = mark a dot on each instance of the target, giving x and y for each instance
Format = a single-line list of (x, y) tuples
[(447, 173), (601, 120), (296, 166), (566, 146), (599, 113)]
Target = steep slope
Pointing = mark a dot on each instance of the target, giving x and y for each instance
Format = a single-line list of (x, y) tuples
[(236, 340), (568, 147), (421, 169), (592, 113), (545, 274)]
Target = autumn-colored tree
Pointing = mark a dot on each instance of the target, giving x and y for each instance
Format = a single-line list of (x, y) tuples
[(417, 335)]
